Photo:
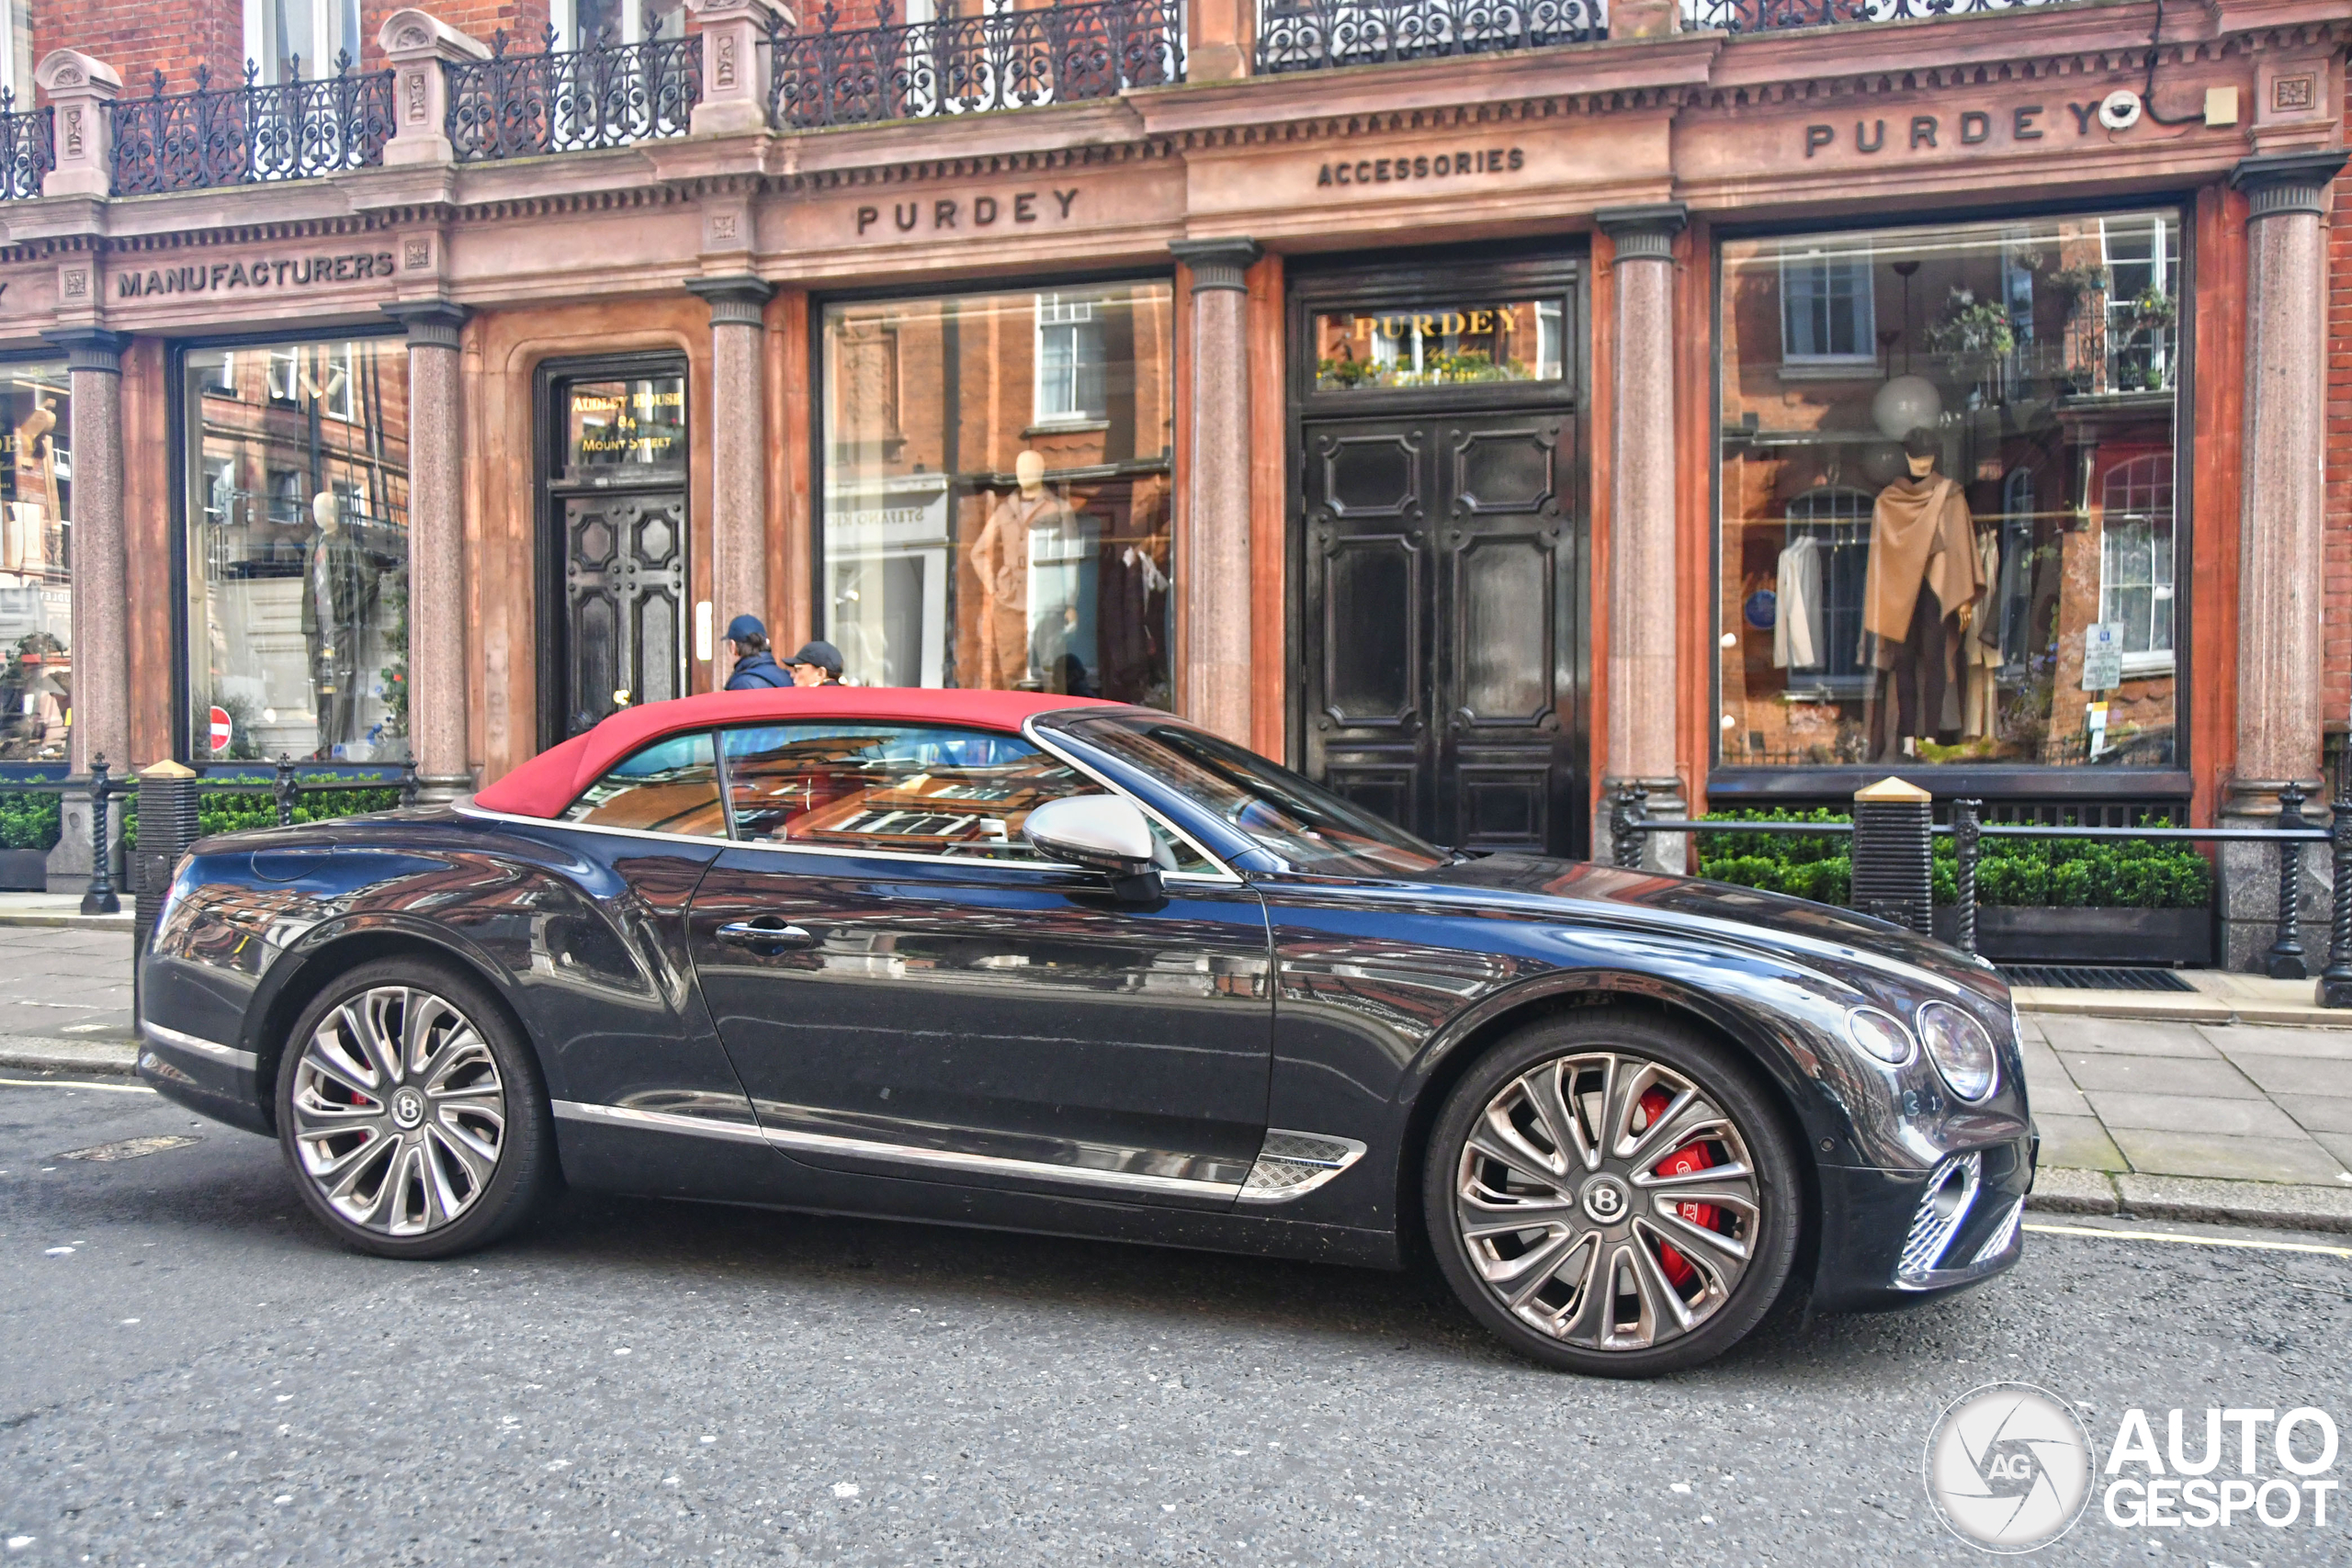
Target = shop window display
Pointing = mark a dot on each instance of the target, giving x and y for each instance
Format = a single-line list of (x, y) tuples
[(1948, 474), (997, 482), (297, 507), (35, 563)]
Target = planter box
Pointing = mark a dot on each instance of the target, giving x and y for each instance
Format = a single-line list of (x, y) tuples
[(24, 870), (2032, 934)]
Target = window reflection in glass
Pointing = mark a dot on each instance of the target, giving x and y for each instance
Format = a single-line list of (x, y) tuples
[(1456, 343), (670, 786), (297, 483), (35, 563), (1948, 459), (998, 476)]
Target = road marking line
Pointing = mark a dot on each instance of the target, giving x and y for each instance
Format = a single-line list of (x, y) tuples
[(2192, 1240), (69, 1083)]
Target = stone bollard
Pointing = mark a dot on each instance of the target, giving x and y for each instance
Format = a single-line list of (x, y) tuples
[(1893, 865)]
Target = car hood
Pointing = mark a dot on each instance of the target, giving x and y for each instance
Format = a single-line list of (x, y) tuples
[(1658, 899)]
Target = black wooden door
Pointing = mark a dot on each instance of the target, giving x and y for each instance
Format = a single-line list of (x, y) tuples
[(1438, 625), (624, 602)]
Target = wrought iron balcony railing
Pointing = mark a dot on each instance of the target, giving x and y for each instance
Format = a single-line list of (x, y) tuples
[(1766, 16), (568, 101), (28, 147), (1314, 35), (1061, 53), (251, 132)]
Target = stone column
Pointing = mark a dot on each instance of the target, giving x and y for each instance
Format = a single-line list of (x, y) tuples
[(1644, 592), (1213, 566), (437, 550), (418, 46), (739, 463), (101, 646), (78, 89), (2281, 523), (734, 73)]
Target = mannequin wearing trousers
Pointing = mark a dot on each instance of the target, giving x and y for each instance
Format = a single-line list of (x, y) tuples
[(1924, 567)]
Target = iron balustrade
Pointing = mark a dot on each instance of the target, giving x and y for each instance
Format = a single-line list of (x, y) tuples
[(2285, 959), (1314, 35), (253, 132), (570, 100), (1060, 53), (1765, 15), (28, 147)]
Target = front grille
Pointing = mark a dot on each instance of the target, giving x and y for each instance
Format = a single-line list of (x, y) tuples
[(2004, 1235), (1952, 1192), (2094, 977)]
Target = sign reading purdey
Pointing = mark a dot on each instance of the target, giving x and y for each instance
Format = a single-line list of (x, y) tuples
[(252, 272)]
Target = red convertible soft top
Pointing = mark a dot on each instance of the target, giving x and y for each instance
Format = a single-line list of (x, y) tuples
[(553, 780)]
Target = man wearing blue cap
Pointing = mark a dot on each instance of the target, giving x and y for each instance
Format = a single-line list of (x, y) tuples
[(755, 666)]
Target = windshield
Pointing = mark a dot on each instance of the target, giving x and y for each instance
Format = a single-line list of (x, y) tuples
[(1300, 823)]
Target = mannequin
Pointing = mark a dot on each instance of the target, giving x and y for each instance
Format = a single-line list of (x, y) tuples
[(336, 612), (1924, 567), (1001, 557), (32, 509)]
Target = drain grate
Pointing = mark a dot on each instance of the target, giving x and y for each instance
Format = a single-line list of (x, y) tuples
[(2094, 977)]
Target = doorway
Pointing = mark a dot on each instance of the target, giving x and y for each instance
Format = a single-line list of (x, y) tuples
[(612, 538), (1440, 546)]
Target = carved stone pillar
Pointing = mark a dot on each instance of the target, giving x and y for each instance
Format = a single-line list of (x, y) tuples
[(101, 568), (734, 63), (1213, 564), (436, 553), (78, 89), (739, 491), (418, 45), (2281, 524), (1643, 589)]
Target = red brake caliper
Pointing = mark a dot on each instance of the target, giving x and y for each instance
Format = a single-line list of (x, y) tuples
[(1683, 1162)]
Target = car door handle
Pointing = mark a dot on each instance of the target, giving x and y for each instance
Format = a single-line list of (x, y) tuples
[(766, 934)]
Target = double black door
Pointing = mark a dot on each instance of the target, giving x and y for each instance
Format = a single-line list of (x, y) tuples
[(1440, 625)]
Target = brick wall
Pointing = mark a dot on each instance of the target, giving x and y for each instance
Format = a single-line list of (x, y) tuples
[(2336, 690), (140, 36), (523, 21)]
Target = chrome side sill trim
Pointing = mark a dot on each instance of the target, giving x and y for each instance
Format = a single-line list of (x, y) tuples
[(789, 1139), (657, 1120), (1293, 1164), (156, 1034)]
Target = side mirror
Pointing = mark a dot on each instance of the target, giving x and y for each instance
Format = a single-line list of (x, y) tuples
[(1100, 832)]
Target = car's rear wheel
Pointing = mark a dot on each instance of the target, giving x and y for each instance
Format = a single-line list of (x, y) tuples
[(1613, 1193), (411, 1111)]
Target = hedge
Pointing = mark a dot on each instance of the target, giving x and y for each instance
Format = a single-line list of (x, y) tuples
[(30, 820), (2096, 873)]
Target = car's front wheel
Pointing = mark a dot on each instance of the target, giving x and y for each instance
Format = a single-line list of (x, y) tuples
[(1613, 1193), (411, 1111)]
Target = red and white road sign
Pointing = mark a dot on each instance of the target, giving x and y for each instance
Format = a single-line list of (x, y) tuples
[(220, 732)]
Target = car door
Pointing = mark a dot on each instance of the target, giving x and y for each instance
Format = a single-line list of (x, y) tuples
[(907, 989)]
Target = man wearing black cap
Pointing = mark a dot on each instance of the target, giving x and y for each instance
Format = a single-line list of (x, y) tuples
[(817, 664), (755, 667)]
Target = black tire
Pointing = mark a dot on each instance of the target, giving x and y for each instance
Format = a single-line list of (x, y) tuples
[(1720, 1082), (492, 1203)]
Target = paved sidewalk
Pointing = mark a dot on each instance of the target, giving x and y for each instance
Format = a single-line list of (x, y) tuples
[(66, 997)]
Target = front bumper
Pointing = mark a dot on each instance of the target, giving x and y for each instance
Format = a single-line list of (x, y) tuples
[(1893, 1237), (215, 1081)]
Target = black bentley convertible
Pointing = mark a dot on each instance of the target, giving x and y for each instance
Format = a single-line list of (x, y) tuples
[(1043, 963)]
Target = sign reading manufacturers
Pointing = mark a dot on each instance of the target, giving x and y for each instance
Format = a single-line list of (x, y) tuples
[(1423, 166), (254, 272)]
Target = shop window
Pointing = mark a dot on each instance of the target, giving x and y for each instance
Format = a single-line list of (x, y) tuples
[(35, 563), (996, 489), (1960, 549), (1826, 306), (297, 578)]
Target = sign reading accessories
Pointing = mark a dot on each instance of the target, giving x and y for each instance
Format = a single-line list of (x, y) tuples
[(252, 272), (1423, 166)]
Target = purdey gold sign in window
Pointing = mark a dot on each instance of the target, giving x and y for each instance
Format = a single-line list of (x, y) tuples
[(1454, 343)]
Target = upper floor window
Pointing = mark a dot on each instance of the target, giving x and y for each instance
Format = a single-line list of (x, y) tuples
[(2136, 559), (583, 24), (285, 38), (1827, 309), (1069, 359)]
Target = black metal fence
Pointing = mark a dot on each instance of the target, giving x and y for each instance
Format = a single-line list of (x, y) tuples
[(1061, 53), (1314, 35), (28, 147), (1764, 16), (568, 100), (2287, 958), (254, 132)]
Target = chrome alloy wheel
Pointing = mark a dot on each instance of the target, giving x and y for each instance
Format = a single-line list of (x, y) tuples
[(1607, 1201), (399, 1116)]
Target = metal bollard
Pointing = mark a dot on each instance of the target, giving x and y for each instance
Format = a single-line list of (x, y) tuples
[(1893, 876), (2335, 981), (1967, 840), (285, 791), (100, 898), (169, 794), (2285, 958), (1625, 834), (408, 782)]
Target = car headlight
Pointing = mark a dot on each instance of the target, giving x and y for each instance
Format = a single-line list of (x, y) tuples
[(1961, 1049), (1880, 1035)]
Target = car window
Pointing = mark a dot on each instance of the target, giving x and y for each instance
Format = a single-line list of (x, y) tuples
[(670, 786), (915, 789)]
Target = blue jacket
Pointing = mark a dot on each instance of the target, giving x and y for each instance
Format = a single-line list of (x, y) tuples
[(756, 669)]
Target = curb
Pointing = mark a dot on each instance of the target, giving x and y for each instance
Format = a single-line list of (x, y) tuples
[(29, 1053), (122, 922), (2268, 1205)]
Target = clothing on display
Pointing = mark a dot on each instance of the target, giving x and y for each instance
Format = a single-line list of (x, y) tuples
[(1800, 639), (1925, 566), (1001, 556)]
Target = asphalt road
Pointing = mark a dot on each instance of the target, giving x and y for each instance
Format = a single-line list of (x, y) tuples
[(205, 1377)]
